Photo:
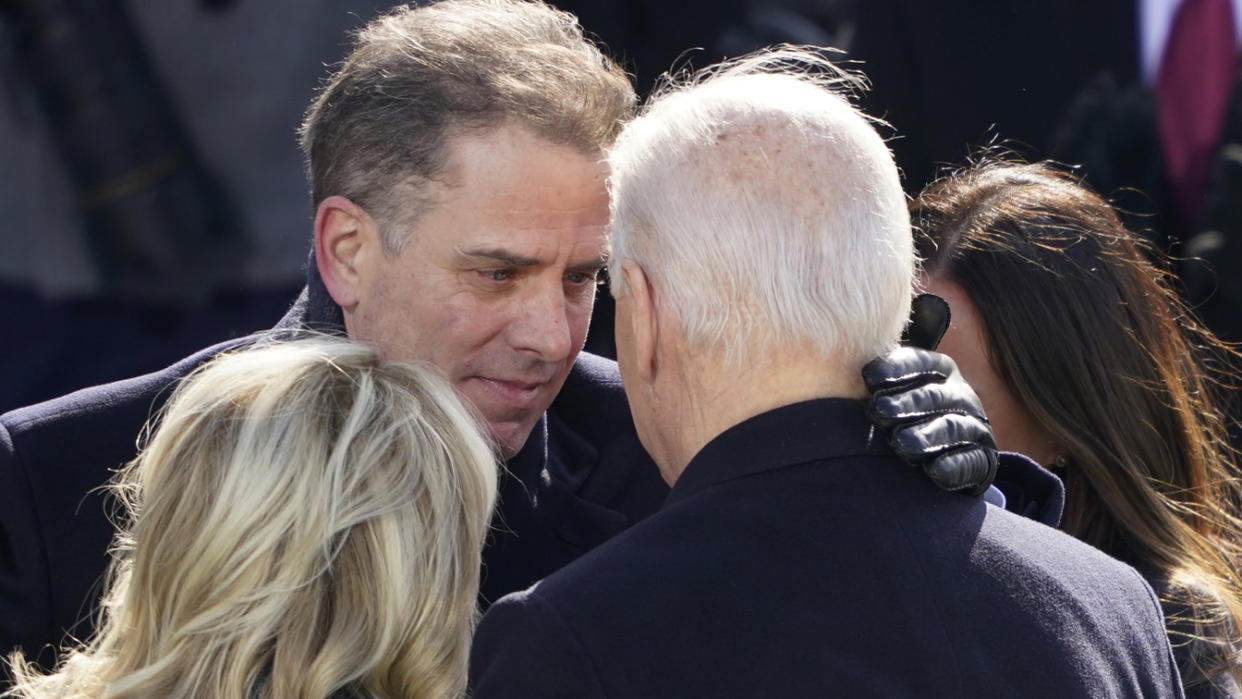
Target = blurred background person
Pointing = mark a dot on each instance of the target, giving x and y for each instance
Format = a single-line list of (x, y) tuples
[(153, 201), (1086, 360), (306, 521), (1144, 95)]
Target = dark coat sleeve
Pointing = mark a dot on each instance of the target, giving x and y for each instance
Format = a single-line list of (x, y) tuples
[(56, 519), (524, 649), (24, 602)]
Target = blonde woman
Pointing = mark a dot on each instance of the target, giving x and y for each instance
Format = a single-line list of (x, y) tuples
[(305, 522)]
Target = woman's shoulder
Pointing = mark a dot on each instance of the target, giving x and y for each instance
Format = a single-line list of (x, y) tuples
[(1205, 642)]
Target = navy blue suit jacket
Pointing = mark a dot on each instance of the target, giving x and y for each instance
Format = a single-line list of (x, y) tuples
[(581, 478), (794, 559)]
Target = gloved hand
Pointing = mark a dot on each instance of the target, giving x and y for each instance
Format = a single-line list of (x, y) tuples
[(934, 419), (929, 321)]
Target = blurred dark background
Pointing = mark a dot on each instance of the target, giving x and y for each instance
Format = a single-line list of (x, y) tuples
[(153, 200)]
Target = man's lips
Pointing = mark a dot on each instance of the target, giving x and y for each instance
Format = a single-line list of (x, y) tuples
[(522, 393)]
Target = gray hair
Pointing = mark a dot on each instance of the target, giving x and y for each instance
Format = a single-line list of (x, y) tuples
[(765, 209), (378, 132)]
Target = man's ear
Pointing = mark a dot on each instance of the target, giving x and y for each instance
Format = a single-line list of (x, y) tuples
[(346, 237), (645, 325)]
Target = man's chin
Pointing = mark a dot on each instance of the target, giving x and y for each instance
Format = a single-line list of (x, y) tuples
[(509, 419), (510, 437)]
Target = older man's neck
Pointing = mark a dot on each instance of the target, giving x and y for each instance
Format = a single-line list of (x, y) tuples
[(718, 395)]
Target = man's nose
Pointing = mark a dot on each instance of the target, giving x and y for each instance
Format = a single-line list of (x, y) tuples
[(542, 324)]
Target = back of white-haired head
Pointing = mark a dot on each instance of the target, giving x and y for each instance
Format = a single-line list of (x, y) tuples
[(765, 209)]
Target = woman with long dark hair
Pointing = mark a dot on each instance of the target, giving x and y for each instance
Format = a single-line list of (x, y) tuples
[(1086, 361)]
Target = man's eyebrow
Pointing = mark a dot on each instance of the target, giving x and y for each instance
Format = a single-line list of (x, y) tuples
[(509, 258), (501, 255), (592, 266)]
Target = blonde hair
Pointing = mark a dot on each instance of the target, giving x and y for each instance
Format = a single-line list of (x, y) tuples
[(306, 519)]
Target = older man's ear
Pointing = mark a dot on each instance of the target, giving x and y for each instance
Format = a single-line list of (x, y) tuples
[(637, 310)]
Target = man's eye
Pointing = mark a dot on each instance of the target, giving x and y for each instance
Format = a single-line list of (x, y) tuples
[(592, 277), (497, 275)]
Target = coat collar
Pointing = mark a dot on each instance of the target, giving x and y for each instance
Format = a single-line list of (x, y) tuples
[(813, 430), (314, 308)]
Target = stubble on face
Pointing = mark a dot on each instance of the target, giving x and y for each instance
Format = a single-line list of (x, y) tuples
[(497, 282)]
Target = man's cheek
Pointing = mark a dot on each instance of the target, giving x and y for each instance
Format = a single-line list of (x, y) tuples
[(580, 323)]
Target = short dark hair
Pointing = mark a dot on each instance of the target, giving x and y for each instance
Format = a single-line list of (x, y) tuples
[(378, 131)]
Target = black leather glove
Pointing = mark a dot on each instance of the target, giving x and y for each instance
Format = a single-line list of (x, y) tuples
[(933, 417), (929, 321)]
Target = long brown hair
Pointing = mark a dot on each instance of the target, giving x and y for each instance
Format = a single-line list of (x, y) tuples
[(1083, 323)]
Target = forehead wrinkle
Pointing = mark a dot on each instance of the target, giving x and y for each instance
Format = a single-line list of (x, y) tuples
[(513, 136)]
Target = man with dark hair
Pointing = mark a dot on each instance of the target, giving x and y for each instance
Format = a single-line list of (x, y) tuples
[(456, 166)]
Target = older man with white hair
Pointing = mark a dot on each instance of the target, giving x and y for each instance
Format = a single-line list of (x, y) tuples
[(761, 255)]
